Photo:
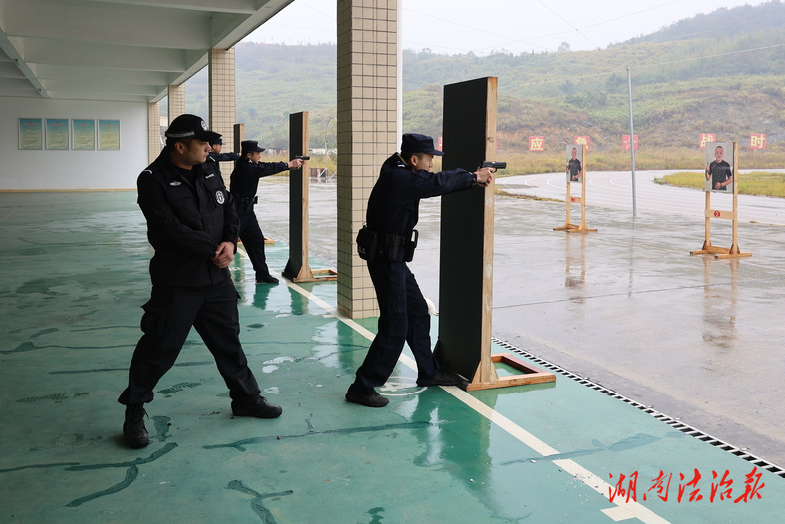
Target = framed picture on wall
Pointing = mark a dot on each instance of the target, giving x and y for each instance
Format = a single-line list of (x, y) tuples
[(83, 132), (31, 133), (57, 134), (108, 134)]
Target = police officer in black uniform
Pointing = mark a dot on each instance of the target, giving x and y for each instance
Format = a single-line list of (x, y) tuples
[(192, 226), (243, 184), (392, 213), (215, 156)]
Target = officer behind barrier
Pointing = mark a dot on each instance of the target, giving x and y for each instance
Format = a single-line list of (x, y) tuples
[(215, 156), (243, 184), (387, 242)]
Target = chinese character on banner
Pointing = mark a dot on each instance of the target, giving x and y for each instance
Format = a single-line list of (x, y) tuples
[(578, 140), (439, 141), (625, 142), (707, 138), (758, 141), (536, 143)]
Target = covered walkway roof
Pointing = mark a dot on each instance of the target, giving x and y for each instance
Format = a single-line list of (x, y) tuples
[(116, 50)]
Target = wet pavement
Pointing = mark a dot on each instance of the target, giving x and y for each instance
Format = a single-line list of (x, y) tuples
[(626, 308)]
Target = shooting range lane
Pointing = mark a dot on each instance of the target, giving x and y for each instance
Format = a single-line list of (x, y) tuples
[(74, 278), (613, 189)]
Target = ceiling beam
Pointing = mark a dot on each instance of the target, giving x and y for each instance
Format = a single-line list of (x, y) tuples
[(246, 7)]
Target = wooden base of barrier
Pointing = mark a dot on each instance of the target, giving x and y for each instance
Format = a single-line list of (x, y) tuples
[(572, 228), (317, 275), (532, 374), (267, 241), (721, 252)]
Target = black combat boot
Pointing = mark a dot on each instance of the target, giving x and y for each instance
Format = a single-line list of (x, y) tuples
[(256, 406), (133, 430)]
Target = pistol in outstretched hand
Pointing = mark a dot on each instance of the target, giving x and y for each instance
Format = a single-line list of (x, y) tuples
[(494, 164)]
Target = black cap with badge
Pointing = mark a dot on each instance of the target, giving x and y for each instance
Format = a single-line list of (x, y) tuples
[(190, 126), (250, 146), (414, 143)]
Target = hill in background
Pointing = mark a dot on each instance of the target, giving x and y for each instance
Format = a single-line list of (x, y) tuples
[(718, 73)]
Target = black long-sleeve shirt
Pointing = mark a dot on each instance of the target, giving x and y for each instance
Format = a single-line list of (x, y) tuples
[(189, 213), (214, 160), (244, 180), (393, 207)]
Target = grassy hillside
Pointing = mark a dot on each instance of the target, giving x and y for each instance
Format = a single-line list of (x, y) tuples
[(720, 73)]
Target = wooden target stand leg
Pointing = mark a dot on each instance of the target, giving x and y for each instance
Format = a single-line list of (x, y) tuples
[(723, 252), (466, 261), (582, 227)]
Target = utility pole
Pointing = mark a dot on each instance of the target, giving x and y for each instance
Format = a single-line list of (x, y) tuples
[(632, 143)]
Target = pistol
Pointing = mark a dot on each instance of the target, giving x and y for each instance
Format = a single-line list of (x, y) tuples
[(300, 157), (495, 165)]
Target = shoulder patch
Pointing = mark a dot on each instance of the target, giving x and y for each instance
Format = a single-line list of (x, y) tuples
[(175, 183)]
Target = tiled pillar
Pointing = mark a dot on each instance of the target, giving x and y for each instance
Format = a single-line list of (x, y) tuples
[(221, 80), (153, 131), (176, 101), (367, 132)]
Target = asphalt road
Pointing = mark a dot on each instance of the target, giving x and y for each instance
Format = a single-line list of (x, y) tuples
[(613, 189)]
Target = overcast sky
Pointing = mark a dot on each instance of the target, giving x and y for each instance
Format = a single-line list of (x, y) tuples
[(485, 26)]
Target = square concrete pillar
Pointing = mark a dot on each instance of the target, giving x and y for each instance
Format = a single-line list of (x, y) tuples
[(176, 101), (222, 100), (153, 131), (367, 132)]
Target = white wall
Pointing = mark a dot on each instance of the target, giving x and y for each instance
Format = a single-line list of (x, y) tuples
[(51, 170)]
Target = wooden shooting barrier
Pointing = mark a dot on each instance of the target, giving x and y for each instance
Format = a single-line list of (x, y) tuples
[(466, 259), (709, 213), (568, 226), (297, 268), (239, 136)]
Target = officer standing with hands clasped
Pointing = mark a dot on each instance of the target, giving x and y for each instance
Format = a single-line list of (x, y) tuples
[(243, 184), (386, 242), (192, 226)]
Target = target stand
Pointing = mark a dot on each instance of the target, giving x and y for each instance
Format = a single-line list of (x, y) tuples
[(723, 252), (568, 226)]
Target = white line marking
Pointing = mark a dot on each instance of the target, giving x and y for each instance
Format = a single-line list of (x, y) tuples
[(630, 509)]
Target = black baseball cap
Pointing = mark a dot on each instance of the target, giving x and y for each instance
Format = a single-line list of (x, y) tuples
[(190, 126), (250, 146), (414, 143)]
